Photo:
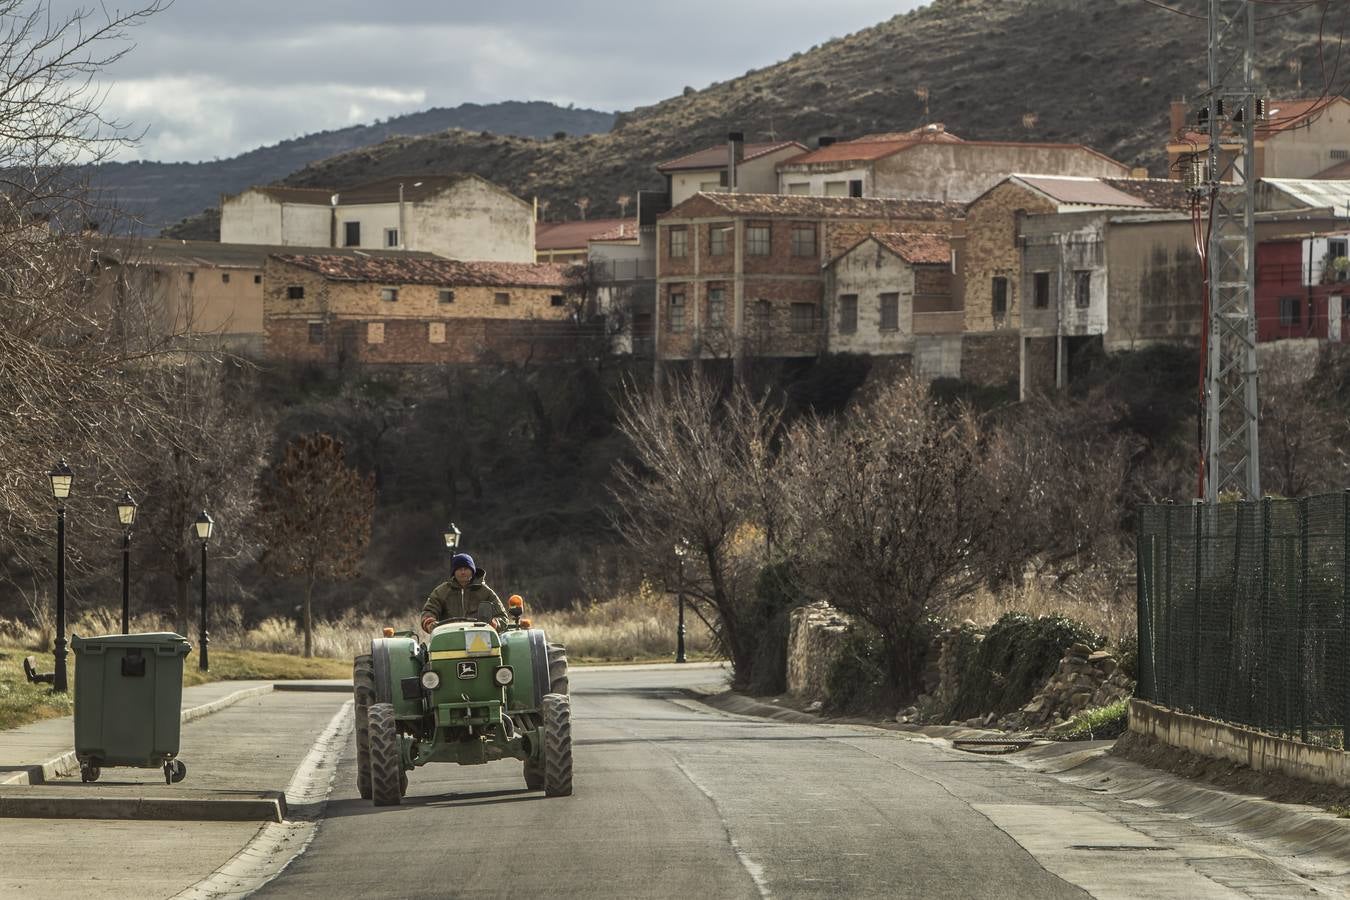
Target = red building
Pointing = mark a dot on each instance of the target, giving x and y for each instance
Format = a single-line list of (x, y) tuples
[(1301, 292)]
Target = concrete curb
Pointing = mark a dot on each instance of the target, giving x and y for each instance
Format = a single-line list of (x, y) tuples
[(67, 763), (313, 688), (197, 809)]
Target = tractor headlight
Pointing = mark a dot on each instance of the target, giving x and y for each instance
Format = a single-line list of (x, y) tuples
[(431, 681), (504, 676)]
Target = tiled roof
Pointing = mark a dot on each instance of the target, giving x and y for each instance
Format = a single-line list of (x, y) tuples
[(715, 157), (936, 132), (625, 231), (1337, 172), (1080, 191), (574, 235), (825, 207), (435, 271), (849, 151), (916, 248), (169, 252), (1158, 193), (386, 190)]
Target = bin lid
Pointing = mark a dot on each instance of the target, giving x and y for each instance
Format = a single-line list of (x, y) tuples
[(147, 640)]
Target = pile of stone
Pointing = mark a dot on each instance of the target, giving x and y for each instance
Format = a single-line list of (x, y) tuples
[(815, 636), (1085, 679)]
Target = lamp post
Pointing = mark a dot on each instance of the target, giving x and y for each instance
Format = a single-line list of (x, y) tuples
[(126, 514), (61, 476), (452, 537), (204, 526), (681, 549)]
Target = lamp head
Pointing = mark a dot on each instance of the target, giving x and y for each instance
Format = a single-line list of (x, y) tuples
[(204, 525), (126, 509), (61, 476)]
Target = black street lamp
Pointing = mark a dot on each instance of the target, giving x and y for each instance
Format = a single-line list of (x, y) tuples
[(204, 525), (61, 476), (681, 549), (126, 514), (451, 536)]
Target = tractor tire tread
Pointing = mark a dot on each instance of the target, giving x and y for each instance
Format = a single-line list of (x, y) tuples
[(387, 778), (557, 745), (557, 669), (363, 691)]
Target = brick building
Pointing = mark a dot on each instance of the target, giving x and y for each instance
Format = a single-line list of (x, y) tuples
[(333, 309), (743, 275)]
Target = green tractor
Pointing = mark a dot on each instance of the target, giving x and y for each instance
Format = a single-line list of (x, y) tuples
[(468, 695)]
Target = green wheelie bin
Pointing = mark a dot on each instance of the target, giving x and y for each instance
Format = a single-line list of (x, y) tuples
[(128, 695)]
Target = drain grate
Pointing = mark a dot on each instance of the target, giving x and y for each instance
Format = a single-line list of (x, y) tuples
[(991, 745), (1117, 847)]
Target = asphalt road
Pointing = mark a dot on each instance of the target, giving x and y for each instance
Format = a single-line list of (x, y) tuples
[(674, 799)]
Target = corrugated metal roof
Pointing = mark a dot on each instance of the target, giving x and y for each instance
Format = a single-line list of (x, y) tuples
[(1314, 192), (716, 157), (1080, 191), (575, 235)]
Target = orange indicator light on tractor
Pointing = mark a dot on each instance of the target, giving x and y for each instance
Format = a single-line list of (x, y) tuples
[(515, 601), (388, 632), (524, 623)]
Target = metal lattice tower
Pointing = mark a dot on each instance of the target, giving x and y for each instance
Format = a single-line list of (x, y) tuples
[(1232, 457)]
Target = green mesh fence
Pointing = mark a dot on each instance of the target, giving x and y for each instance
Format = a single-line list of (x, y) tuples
[(1242, 613)]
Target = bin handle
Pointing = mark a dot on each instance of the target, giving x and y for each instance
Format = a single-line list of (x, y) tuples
[(93, 649), (171, 649)]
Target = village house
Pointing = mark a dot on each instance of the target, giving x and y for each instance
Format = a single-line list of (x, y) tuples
[(622, 271), (455, 216), (1303, 287), (1307, 138), (332, 309), (891, 294), (743, 275), (569, 242), (731, 167), (930, 163)]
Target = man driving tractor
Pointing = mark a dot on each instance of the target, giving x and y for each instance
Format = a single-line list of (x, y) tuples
[(465, 595)]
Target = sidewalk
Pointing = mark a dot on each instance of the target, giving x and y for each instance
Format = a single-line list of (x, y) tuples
[(130, 834)]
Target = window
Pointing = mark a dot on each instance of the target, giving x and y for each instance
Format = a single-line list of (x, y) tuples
[(389, 294), (391, 237), (1336, 248), (1082, 288), (351, 234), (803, 318), (501, 298), (799, 188), (763, 314), (724, 178), (803, 239), (435, 332), (679, 242), (848, 313), (1041, 290), (295, 292), (1000, 289), (717, 307), (445, 295), (556, 300), (257, 279), (316, 332), (855, 188), (224, 277), (1289, 311), (836, 189), (192, 276), (758, 241), (676, 312), (890, 312), (718, 239), (1340, 154), (375, 333)]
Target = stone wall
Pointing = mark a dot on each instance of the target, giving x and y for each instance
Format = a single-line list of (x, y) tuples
[(1085, 679), (815, 635)]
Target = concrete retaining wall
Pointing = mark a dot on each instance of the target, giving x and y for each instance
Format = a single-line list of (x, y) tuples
[(1219, 740)]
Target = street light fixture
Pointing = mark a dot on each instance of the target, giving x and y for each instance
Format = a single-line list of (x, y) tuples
[(681, 550), (452, 537), (204, 526), (61, 477), (126, 514)]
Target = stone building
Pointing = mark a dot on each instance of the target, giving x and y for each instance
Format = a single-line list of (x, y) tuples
[(357, 309), (743, 275), (891, 294), (455, 216)]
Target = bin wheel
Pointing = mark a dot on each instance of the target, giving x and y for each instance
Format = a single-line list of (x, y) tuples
[(89, 772), (174, 771)]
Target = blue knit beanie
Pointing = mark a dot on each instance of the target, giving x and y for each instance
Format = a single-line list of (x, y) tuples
[(461, 560)]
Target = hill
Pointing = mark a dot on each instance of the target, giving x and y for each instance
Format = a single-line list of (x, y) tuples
[(162, 193), (1100, 73)]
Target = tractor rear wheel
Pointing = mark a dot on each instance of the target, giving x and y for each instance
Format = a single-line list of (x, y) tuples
[(387, 778), (557, 669), (557, 745), (363, 692)]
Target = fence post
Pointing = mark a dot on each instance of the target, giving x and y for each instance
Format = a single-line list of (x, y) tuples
[(1302, 618)]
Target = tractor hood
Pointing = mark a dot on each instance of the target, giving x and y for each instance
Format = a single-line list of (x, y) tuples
[(464, 640)]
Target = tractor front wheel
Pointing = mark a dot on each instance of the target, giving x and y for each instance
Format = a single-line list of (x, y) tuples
[(387, 778), (363, 693), (557, 745)]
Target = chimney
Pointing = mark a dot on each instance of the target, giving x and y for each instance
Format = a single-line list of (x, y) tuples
[(1179, 110), (826, 140), (735, 153)]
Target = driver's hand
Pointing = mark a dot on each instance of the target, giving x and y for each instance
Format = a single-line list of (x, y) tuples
[(428, 623)]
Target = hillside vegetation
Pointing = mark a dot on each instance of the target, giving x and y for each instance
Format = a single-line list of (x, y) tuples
[(1100, 73)]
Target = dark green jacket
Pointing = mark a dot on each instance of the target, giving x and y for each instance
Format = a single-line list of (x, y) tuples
[(477, 601)]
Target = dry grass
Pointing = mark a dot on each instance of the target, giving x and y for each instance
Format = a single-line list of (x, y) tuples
[(1098, 602), (628, 628)]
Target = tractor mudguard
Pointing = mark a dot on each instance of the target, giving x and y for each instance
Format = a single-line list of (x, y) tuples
[(526, 652), (395, 661)]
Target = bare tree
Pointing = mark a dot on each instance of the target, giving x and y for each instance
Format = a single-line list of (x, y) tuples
[(1303, 428), (315, 518), (583, 204)]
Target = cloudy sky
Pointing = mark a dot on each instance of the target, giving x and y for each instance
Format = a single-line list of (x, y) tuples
[(213, 78)]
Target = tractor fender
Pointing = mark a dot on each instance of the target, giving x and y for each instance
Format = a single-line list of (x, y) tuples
[(394, 660), (526, 652)]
